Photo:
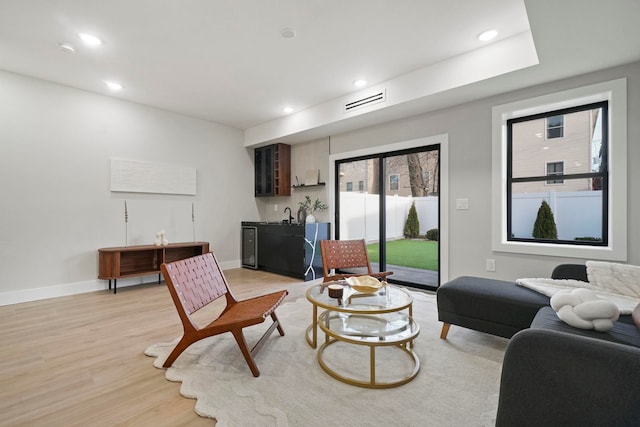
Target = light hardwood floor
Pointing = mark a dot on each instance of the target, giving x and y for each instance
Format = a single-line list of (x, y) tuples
[(78, 360)]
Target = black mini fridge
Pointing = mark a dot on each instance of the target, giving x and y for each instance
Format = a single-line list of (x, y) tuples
[(250, 246)]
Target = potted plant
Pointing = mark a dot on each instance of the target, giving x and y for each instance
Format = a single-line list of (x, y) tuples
[(310, 208)]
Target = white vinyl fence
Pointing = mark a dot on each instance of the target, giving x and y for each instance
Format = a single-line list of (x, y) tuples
[(359, 215), (577, 214)]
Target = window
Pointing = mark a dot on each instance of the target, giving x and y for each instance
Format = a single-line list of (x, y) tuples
[(555, 127), (589, 208), (393, 182), (555, 168), (349, 186), (361, 186), (577, 212)]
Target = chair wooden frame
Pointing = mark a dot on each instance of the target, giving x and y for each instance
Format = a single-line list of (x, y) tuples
[(339, 254), (194, 283)]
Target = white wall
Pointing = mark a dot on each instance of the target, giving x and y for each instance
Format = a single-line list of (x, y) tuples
[(469, 130), (56, 209), (56, 205)]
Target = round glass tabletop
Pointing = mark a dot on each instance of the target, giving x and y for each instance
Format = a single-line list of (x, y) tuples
[(386, 300)]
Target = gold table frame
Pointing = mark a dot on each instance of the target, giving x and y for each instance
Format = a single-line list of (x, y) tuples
[(394, 300)]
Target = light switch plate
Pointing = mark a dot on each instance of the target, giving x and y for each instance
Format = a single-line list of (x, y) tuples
[(462, 204)]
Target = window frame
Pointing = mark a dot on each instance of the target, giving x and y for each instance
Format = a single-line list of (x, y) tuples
[(397, 182), (550, 128), (561, 177), (554, 181), (615, 249)]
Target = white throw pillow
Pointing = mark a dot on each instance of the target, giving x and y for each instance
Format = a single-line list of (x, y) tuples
[(583, 309)]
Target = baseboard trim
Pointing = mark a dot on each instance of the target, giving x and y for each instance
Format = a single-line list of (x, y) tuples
[(46, 292), (66, 289), (230, 265)]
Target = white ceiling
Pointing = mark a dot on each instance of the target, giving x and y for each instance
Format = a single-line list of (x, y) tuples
[(226, 61)]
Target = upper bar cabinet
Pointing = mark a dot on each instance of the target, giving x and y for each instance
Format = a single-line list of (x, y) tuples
[(273, 170)]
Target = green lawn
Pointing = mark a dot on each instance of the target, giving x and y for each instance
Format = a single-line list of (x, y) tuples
[(409, 253)]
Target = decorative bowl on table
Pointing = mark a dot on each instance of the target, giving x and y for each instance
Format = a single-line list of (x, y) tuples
[(365, 284)]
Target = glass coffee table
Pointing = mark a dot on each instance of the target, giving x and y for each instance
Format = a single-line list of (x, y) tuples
[(382, 318)]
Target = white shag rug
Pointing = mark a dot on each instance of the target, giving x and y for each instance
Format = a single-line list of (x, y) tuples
[(457, 385)]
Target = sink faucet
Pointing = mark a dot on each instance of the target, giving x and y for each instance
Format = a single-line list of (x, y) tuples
[(290, 216)]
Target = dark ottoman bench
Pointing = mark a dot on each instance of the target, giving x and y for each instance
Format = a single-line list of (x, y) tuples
[(493, 306), (496, 307)]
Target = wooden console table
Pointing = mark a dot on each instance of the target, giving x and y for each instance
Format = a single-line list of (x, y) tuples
[(131, 261)]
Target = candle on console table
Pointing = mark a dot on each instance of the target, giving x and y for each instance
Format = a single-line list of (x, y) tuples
[(126, 225)]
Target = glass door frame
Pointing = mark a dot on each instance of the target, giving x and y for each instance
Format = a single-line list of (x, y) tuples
[(382, 214)]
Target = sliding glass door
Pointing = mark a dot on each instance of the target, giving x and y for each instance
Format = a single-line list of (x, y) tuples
[(392, 201)]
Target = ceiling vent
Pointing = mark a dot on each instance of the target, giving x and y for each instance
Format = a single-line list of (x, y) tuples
[(369, 99)]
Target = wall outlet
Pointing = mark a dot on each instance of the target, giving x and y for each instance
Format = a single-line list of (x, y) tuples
[(275, 208), (491, 264)]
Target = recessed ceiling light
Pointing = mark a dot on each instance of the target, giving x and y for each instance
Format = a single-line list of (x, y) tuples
[(114, 86), (487, 35), (360, 83), (287, 110), (288, 33), (67, 47), (90, 40)]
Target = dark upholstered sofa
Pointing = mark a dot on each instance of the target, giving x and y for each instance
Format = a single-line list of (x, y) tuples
[(554, 378), (552, 374), (556, 375)]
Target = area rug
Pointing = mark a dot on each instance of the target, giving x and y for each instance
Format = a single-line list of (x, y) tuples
[(458, 382)]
